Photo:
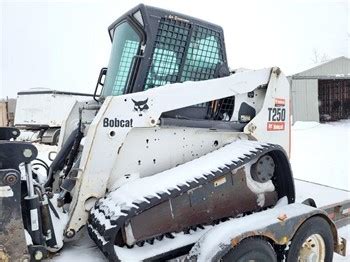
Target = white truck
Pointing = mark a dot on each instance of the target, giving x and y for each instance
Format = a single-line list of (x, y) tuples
[(41, 112)]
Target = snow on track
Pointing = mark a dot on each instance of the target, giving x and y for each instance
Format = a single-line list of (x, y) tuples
[(136, 191)]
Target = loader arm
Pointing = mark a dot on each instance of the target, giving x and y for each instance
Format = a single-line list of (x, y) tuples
[(121, 114)]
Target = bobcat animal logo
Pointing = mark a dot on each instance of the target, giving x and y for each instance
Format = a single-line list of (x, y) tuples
[(140, 106)]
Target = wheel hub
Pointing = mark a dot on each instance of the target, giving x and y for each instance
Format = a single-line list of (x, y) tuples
[(313, 249)]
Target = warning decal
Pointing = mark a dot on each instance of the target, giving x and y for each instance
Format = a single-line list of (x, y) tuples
[(280, 102), (275, 126)]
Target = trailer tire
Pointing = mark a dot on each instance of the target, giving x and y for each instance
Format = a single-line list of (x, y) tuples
[(251, 249), (315, 233)]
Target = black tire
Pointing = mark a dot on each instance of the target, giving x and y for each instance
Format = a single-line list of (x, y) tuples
[(251, 249), (314, 225)]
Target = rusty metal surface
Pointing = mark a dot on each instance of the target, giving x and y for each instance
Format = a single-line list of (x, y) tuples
[(339, 213), (334, 97), (202, 205), (280, 231), (283, 231), (13, 246)]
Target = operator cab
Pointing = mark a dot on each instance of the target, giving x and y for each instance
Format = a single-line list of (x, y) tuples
[(152, 47)]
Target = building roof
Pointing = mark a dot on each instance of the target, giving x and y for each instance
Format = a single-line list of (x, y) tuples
[(336, 68)]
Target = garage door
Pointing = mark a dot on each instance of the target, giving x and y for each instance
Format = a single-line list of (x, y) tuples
[(334, 99)]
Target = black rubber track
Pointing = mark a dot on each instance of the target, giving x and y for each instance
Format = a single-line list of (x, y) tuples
[(284, 186)]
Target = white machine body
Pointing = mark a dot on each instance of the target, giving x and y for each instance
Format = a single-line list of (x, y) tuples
[(126, 141)]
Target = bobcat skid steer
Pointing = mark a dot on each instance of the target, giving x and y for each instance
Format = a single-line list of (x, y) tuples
[(175, 144)]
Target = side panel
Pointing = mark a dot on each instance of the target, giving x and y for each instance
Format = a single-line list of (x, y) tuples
[(147, 151), (305, 100), (71, 120), (272, 123)]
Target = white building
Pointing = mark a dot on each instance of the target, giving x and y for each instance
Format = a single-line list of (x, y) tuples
[(322, 93)]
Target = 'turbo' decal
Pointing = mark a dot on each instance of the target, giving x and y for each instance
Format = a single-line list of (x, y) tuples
[(140, 106)]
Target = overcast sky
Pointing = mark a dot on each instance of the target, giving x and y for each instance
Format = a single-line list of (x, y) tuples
[(63, 44)]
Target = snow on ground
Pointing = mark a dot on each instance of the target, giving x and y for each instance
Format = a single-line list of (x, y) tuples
[(320, 162), (320, 153), (80, 249), (44, 150)]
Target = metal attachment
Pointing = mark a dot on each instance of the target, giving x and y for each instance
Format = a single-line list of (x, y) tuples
[(10, 179), (262, 171), (277, 71), (29, 179), (153, 122), (70, 233), (251, 128), (38, 255), (27, 152)]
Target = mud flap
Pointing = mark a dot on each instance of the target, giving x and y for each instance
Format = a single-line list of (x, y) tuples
[(13, 244), (7, 133)]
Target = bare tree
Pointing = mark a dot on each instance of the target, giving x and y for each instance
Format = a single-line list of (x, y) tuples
[(317, 57)]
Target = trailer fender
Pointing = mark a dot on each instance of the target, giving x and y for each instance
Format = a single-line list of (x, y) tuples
[(277, 225)]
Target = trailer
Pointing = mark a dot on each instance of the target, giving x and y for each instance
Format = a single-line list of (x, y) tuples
[(336, 206), (40, 113)]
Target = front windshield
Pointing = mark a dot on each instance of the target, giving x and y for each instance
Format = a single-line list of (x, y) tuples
[(125, 45)]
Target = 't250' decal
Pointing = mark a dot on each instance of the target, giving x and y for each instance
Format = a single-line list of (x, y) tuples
[(277, 114)]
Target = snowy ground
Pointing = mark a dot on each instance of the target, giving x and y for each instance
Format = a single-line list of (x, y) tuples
[(320, 162), (320, 153)]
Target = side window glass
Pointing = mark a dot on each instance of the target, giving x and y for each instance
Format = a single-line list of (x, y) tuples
[(203, 55), (164, 69), (169, 52), (129, 51), (184, 52), (126, 43)]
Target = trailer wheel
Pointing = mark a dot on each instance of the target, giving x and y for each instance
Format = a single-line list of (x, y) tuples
[(251, 249), (313, 241)]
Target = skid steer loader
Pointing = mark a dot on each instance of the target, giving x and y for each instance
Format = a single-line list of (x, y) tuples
[(174, 144)]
